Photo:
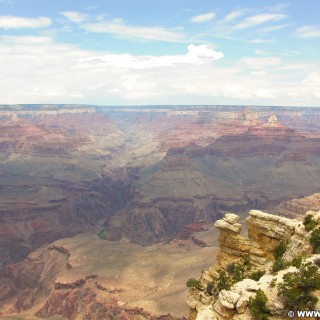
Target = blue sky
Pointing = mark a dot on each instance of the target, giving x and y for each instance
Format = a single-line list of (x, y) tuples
[(125, 52)]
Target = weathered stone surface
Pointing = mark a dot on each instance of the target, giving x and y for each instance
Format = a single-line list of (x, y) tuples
[(224, 225), (241, 304), (221, 312), (231, 218), (245, 285), (228, 298), (243, 316), (193, 298), (206, 314), (267, 229), (233, 246)]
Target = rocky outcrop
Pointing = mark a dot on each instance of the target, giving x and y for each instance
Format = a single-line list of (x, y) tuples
[(233, 245), (265, 231)]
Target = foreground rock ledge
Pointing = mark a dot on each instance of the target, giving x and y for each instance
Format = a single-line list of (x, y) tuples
[(265, 231)]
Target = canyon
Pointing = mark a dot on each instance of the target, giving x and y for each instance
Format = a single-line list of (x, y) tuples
[(93, 199)]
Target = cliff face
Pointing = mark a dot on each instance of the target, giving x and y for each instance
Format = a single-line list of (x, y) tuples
[(230, 299)]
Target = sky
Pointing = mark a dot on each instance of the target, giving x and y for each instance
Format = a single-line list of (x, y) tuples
[(158, 52)]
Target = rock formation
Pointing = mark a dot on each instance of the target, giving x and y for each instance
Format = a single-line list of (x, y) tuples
[(265, 233), (233, 245), (296, 208)]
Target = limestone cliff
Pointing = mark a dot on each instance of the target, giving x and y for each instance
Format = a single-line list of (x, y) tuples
[(247, 264)]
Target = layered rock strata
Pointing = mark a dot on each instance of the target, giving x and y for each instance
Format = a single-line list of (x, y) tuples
[(296, 208), (233, 245), (267, 230)]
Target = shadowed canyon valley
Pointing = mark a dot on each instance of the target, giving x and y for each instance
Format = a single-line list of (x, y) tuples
[(105, 212)]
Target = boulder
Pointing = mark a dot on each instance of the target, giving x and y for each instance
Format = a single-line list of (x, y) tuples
[(222, 224), (228, 298), (231, 218)]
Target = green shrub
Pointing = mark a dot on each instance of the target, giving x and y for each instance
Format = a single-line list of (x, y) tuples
[(234, 272), (309, 223), (210, 287), (315, 240), (296, 288), (258, 306), (102, 234), (273, 283), (230, 267), (278, 265), (193, 283), (256, 275), (223, 281), (246, 261), (296, 262), (238, 273), (280, 250)]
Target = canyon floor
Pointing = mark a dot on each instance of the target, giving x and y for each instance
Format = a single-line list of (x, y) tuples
[(153, 277)]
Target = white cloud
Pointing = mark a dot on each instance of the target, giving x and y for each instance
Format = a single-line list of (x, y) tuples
[(298, 65), (308, 32), (28, 40), (118, 28), (203, 17), (196, 55), (204, 52), (310, 86), (258, 73), (233, 15), (12, 22), (75, 16), (275, 28), (61, 73), (260, 63), (259, 19), (65, 73)]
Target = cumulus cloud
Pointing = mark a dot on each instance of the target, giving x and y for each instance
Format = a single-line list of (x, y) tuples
[(312, 84), (61, 73), (196, 55), (65, 73), (203, 17), (12, 22), (308, 32), (309, 87), (204, 52)]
